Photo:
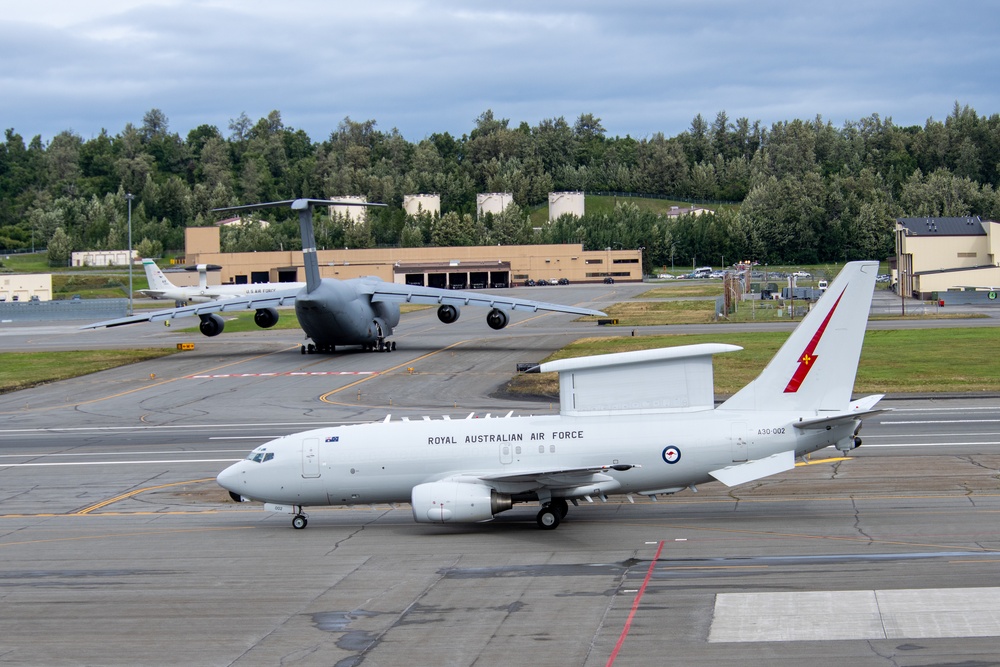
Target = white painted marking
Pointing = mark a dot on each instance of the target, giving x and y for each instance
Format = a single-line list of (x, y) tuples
[(289, 374), (968, 443), (113, 463), (138, 453), (150, 427), (944, 421), (921, 613)]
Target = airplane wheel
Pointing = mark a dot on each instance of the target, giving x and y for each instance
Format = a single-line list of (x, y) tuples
[(303, 349), (548, 518), (311, 348), (561, 506), (393, 343), (299, 522)]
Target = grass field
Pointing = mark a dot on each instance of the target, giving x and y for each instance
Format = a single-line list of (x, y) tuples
[(20, 370), (899, 361)]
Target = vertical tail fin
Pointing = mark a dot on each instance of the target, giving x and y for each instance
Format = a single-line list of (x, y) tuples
[(816, 367), (310, 263), (157, 281)]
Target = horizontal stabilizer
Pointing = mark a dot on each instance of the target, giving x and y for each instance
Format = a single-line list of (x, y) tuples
[(822, 423), (747, 472), (863, 407)]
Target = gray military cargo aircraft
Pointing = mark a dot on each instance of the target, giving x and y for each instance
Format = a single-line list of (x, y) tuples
[(359, 311)]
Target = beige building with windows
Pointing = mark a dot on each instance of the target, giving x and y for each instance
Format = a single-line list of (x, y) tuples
[(934, 255), (459, 267), (25, 287)]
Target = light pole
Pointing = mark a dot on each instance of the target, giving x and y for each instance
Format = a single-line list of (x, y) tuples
[(129, 197)]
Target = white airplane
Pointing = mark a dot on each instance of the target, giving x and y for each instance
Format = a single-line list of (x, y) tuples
[(160, 286), (360, 311), (641, 422)]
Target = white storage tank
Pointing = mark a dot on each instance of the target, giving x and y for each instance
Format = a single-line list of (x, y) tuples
[(417, 204), (492, 202), (565, 203), (351, 213)]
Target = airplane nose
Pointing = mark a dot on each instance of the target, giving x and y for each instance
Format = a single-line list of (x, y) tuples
[(229, 478)]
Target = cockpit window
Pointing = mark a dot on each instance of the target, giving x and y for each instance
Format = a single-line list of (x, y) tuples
[(260, 457)]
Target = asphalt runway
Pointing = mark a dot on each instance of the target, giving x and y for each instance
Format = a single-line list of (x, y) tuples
[(119, 549)]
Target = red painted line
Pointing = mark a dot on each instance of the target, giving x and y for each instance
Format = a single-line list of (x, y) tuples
[(635, 606), (293, 373)]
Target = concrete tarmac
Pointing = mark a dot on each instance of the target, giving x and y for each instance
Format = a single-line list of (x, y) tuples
[(119, 549)]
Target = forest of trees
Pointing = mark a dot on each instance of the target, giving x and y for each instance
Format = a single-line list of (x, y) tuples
[(806, 191)]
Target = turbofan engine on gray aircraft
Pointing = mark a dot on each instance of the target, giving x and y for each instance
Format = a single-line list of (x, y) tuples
[(497, 319), (448, 314), (211, 324), (265, 318)]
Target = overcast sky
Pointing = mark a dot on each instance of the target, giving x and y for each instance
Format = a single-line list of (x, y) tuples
[(422, 67)]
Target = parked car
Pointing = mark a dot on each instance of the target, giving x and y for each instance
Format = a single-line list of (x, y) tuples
[(542, 282), (609, 281), (564, 281), (529, 283)]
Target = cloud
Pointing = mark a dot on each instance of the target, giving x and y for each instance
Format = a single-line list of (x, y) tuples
[(425, 67)]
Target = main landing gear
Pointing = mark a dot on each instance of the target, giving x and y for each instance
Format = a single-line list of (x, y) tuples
[(552, 514), (381, 346)]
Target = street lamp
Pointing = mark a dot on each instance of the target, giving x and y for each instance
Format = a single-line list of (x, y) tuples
[(129, 197)]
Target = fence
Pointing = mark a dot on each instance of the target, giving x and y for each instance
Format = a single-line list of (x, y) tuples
[(92, 310)]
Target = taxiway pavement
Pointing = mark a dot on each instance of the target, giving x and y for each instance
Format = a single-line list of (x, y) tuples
[(119, 549)]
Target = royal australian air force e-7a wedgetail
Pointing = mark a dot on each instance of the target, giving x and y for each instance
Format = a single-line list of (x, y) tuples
[(641, 422), (359, 311)]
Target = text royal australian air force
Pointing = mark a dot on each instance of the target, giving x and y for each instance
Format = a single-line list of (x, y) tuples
[(488, 438)]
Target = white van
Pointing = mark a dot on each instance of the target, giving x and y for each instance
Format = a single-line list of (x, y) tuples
[(702, 272)]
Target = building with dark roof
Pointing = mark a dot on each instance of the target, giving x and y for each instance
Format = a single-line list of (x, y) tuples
[(934, 255)]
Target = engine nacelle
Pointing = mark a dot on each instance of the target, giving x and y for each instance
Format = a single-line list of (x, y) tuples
[(448, 314), (456, 502), (211, 324), (265, 318), (847, 444), (497, 319)]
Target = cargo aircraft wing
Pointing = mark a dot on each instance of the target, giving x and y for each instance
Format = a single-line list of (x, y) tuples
[(396, 293)]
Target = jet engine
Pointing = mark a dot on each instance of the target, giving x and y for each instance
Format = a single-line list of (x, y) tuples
[(448, 314), (211, 324), (455, 502), (265, 318), (497, 319)]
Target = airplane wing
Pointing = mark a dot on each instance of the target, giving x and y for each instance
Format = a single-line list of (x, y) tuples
[(385, 291), (553, 478), (269, 300)]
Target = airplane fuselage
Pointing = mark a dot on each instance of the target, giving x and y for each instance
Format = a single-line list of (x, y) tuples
[(383, 462), (341, 313)]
